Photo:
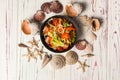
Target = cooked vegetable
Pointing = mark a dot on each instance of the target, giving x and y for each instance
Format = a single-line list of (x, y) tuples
[(59, 34)]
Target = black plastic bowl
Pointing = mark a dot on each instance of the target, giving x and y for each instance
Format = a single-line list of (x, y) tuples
[(42, 36)]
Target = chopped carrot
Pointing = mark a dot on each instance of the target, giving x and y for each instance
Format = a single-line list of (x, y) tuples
[(48, 39), (45, 30), (70, 28), (55, 22), (65, 36)]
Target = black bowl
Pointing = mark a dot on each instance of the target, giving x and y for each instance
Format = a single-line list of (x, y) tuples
[(42, 36)]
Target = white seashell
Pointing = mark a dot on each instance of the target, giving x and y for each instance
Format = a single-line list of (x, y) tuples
[(71, 57), (77, 7), (34, 28), (90, 37), (89, 48), (58, 61), (73, 9)]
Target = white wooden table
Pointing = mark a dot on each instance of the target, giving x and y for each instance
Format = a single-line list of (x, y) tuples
[(106, 48)]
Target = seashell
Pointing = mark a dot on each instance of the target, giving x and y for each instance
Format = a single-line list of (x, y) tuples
[(46, 7), (25, 27), (73, 9), (90, 37), (95, 24), (85, 20), (46, 60), (77, 7), (89, 48), (39, 16), (34, 28), (81, 44), (58, 61), (56, 7), (71, 57)]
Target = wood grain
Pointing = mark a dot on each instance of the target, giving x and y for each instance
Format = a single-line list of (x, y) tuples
[(104, 66)]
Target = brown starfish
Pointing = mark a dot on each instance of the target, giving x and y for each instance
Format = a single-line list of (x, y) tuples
[(39, 52), (34, 42), (30, 55), (83, 65)]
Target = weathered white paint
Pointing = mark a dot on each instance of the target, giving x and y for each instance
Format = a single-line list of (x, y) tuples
[(106, 48)]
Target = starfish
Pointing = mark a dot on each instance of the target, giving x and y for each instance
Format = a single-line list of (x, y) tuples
[(30, 55), (83, 65), (39, 52), (34, 42)]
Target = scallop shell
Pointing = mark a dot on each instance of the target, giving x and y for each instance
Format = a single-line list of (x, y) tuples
[(39, 16), (77, 7), (95, 24), (71, 57), (56, 7), (89, 48), (91, 37), (73, 9), (58, 61), (81, 44)]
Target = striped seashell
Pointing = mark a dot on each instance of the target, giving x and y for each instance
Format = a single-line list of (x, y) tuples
[(71, 57), (58, 61)]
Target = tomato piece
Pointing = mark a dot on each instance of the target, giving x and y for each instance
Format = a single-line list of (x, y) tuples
[(66, 46), (65, 36), (59, 48), (70, 28)]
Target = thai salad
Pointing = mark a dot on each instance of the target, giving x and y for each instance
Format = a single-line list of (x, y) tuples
[(59, 34)]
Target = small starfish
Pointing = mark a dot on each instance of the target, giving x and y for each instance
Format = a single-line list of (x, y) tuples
[(39, 52), (34, 42), (30, 55), (83, 65)]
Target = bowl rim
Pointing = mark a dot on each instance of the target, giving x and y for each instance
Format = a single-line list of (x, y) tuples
[(58, 16)]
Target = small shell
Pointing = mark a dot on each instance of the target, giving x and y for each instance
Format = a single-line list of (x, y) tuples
[(89, 48), (95, 24), (46, 7), (71, 57), (73, 9), (77, 7), (85, 20), (56, 7), (58, 61), (81, 44), (91, 37), (25, 27), (46, 60), (39, 16)]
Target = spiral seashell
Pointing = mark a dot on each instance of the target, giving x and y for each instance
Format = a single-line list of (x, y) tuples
[(58, 61), (71, 57)]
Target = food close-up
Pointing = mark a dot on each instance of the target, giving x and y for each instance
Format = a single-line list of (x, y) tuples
[(59, 34)]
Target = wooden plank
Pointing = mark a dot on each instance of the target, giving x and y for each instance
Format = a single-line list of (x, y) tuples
[(106, 48), (113, 60)]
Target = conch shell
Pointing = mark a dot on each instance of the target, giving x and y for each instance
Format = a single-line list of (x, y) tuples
[(46, 60), (95, 24), (71, 57), (58, 61)]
